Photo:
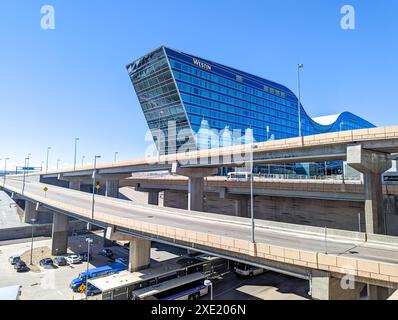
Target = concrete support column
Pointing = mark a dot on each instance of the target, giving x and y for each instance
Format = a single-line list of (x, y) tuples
[(140, 254), (74, 184), (195, 184), (326, 287), (153, 197), (60, 234), (195, 193), (112, 188), (372, 164), (241, 208), (30, 211), (378, 293), (390, 204)]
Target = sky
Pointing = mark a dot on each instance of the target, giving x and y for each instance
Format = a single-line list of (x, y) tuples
[(71, 81)]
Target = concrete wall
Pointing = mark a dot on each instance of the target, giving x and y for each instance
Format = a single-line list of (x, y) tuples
[(313, 212), (43, 230)]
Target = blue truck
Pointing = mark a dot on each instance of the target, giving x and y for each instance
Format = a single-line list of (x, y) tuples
[(95, 273)]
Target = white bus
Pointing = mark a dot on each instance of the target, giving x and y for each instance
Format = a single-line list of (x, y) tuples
[(121, 286), (190, 287)]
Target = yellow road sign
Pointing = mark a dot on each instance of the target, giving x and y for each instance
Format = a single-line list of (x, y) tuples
[(45, 189), (98, 187), (82, 288)]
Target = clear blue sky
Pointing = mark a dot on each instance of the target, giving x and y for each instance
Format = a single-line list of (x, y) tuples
[(72, 81)]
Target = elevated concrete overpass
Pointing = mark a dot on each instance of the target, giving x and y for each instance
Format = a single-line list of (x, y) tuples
[(366, 150), (306, 252)]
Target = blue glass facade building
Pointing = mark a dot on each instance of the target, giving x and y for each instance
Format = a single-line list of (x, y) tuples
[(200, 94)]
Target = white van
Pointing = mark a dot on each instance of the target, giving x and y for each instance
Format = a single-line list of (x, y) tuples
[(245, 270)]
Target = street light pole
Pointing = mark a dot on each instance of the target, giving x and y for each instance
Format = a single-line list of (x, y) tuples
[(251, 194), (27, 163), (114, 157), (93, 200), (74, 162), (5, 170), (33, 220), (58, 160), (24, 175), (48, 151), (299, 66), (89, 242), (83, 157), (208, 284)]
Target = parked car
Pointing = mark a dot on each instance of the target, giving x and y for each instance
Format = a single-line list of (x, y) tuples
[(14, 259), (84, 256), (21, 266), (73, 259), (46, 262), (245, 270), (91, 290), (106, 253), (60, 261)]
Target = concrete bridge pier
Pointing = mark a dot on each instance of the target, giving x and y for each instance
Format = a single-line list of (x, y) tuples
[(60, 234), (326, 287), (140, 249), (241, 202), (372, 164), (140, 254), (112, 188), (195, 184), (30, 211), (153, 197)]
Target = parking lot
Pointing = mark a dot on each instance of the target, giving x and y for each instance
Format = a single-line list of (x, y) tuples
[(53, 283)]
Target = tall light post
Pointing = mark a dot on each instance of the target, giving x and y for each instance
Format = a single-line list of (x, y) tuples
[(208, 284), (48, 152), (115, 155), (299, 67), (5, 170), (93, 200), (58, 161), (27, 163), (74, 162), (83, 157), (89, 242), (33, 220), (251, 192), (24, 175)]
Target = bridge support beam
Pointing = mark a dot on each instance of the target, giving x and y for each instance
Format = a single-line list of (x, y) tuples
[(241, 202), (140, 254), (112, 188), (30, 211), (241, 208), (60, 234), (153, 197), (326, 287), (195, 184), (372, 164)]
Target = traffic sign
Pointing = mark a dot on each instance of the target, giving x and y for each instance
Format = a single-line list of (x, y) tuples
[(45, 189), (98, 187), (28, 168), (82, 288)]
